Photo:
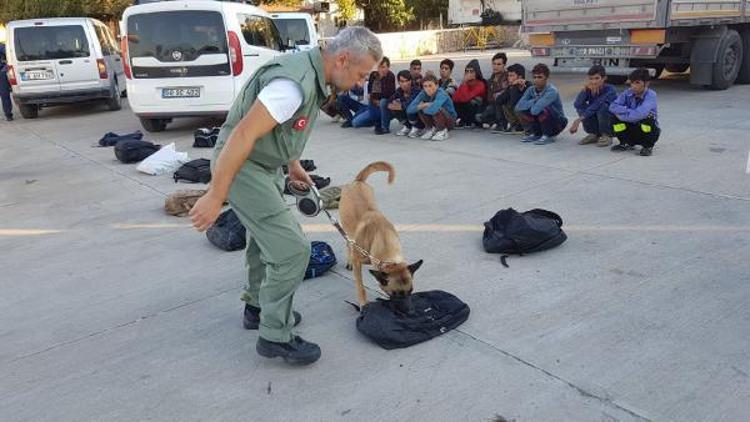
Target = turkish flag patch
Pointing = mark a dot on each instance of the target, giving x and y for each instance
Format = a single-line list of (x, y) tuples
[(300, 124)]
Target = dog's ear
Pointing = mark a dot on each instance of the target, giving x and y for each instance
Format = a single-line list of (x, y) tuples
[(415, 266), (380, 276)]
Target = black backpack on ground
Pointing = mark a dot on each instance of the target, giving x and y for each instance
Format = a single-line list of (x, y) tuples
[(132, 151), (511, 232), (227, 233), (435, 313), (111, 139), (195, 171)]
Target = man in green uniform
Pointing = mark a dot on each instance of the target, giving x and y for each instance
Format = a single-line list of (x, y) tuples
[(268, 126)]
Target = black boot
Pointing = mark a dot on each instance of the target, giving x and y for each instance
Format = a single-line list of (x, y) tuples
[(621, 147), (645, 151), (251, 319), (296, 352)]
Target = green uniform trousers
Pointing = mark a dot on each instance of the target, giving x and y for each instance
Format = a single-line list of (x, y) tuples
[(277, 251)]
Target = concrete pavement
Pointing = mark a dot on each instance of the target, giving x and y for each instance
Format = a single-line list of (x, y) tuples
[(111, 310)]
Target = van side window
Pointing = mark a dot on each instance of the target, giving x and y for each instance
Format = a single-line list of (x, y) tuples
[(260, 31), (104, 40)]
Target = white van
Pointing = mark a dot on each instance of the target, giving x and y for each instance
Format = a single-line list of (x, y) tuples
[(191, 57), (63, 60), (297, 30)]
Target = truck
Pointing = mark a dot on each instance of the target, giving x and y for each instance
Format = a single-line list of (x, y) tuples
[(711, 38), (469, 12)]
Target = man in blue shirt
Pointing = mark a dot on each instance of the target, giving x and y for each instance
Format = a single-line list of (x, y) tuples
[(592, 105), (5, 85), (540, 109), (634, 120), (395, 107)]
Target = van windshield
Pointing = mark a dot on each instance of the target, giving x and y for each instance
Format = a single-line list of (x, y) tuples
[(293, 31), (176, 36), (50, 42)]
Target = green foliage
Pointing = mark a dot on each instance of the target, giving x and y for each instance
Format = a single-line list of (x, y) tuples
[(106, 10), (347, 9), (386, 15)]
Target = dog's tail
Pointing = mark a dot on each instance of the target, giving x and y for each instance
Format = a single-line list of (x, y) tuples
[(375, 167)]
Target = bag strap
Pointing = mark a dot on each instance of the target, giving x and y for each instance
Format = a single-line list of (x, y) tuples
[(545, 213)]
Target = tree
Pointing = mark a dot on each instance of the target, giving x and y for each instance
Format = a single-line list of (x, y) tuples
[(291, 3), (347, 9), (386, 14), (424, 10), (106, 10)]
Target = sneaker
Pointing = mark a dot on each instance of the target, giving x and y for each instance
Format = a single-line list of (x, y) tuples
[(441, 135), (517, 130), (500, 129), (621, 147), (604, 141), (530, 138), (381, 131), (544, 140), (251, 318), (415, 132), (428, 134), (337, 118), (9, 117), (346, 124), (404, 131), (296, 352), (589, 139), (645, 152), (493, 127)]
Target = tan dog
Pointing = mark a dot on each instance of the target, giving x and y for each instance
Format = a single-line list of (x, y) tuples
[(369, 229)]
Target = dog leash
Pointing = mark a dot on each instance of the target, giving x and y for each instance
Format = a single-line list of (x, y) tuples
[(377, 263)]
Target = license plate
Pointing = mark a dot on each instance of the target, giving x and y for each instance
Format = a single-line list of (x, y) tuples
[(180, 92), (36, 75)]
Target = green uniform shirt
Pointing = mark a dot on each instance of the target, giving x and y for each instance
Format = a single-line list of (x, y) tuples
[(287, 140)]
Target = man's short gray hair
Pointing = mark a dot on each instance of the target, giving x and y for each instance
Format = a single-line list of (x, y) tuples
[(358, 41)]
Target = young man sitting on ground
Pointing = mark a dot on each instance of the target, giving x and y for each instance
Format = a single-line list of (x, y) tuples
[(395, 107), (634, 120), (351, 103), (541, 110), (592, 105), (435, 108), (415, 69), (470, 96), (493, 114), (382, 84), (517, 85), (446, 82)]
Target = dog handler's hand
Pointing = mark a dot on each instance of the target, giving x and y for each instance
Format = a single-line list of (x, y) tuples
[(298, 174), (205, 211)]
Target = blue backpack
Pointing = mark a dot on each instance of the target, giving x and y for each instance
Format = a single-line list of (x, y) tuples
[(322, 259)]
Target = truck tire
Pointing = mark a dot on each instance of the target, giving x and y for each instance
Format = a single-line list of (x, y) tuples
[(744, 76), (154, 125), (29, 111), (677, 68), (728, 62)]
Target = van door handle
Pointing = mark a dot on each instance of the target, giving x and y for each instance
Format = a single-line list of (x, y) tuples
[(66, 62), (252, 55), (117, 59)]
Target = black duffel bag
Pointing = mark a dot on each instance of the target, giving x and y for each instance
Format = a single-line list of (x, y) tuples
[(133, 150), (511, 232), (227, 233), (194, 171), (433, 313)]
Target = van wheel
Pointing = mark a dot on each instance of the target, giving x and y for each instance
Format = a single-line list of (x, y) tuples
[(29, 111), (744, 76), (154, 125), (728, 64), (114, 103)]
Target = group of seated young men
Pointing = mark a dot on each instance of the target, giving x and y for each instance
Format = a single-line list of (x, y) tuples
[(429, 106)]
